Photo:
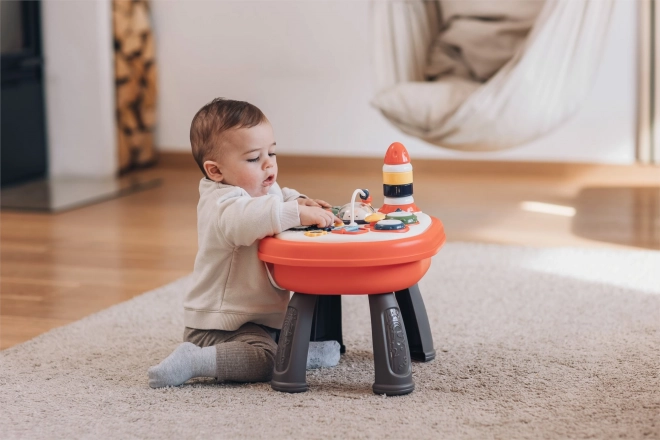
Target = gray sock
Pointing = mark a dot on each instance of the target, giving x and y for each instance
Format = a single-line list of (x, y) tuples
[(323, 354), (186, 362), (189, 360)]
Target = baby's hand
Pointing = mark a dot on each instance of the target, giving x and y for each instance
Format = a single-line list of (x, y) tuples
[(315, 215), (314, 202)]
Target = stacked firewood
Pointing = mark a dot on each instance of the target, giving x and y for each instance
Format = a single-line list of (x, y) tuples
[(135, 79)]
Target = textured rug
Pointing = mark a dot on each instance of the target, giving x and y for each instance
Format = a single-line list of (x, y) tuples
[(532, 343)]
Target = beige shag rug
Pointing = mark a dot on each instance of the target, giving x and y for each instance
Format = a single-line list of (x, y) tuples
[(532, 343)]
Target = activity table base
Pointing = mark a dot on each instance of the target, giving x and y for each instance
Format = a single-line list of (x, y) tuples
[(400, 332)]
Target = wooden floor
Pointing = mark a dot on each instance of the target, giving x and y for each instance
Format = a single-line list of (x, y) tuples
[(58, 268)]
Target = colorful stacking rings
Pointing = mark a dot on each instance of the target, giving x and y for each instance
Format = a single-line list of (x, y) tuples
[(398, 180), (398, 190)]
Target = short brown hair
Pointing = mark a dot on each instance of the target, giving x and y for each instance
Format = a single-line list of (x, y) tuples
[(216, 117)]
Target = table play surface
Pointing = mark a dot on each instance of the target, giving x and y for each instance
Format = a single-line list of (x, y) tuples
[(369, 237)]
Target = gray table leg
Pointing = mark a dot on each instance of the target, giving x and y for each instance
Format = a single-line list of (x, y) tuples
[(290, 374), (417, 324), (326, 325), (392, 363)]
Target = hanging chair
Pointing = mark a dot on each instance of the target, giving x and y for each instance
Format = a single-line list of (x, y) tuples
[(542, 85)]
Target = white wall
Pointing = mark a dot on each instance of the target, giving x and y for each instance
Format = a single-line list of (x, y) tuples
[(80, 91), (307, 65)]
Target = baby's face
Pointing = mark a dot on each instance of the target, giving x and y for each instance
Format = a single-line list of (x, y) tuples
[(247, 158)]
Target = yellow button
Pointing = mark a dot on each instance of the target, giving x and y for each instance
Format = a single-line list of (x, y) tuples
[(315, 233), (398, 178), (375, 217)]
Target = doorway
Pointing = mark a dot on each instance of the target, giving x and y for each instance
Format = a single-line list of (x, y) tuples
[(23, 139)]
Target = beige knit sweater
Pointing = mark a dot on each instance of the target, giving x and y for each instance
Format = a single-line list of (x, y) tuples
[(230, 286)]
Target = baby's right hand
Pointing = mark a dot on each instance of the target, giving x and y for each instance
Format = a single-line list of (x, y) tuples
[(313, 215)]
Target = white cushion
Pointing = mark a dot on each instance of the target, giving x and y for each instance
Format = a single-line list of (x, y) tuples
[(424, 105)]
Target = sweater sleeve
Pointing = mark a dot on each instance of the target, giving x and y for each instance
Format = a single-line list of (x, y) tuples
[(243, 220), (291, 194)]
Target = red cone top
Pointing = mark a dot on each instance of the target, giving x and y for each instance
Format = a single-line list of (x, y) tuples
[(397, 154)]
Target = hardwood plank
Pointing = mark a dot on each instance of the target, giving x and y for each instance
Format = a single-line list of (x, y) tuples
[(17, 329)]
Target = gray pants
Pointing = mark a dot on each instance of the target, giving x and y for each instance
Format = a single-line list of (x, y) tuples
[(243, 355)]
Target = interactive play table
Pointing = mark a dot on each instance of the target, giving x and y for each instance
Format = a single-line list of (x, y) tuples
[(386, 265)]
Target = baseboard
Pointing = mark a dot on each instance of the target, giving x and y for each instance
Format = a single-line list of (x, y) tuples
[(320, 164)]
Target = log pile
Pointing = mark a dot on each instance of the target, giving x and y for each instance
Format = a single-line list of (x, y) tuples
[(135, 79)]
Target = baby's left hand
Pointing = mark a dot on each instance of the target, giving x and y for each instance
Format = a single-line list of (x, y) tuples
[(314, 202)]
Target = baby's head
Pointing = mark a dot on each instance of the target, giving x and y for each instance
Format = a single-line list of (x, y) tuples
[(233, 143)]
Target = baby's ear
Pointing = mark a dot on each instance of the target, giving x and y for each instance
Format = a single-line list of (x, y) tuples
[(213, 171)]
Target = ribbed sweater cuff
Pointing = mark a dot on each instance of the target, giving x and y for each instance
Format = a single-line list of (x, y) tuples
[(289, 216)]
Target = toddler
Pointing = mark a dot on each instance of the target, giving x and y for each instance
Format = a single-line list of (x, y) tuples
[(232, 313)]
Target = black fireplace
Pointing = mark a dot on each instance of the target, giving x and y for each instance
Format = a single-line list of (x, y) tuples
[(23, 155)]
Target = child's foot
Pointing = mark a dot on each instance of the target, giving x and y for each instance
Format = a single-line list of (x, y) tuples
[(323, 354), (186, 362)]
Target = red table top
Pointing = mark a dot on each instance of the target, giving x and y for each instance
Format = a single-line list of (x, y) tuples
[(354, 254)]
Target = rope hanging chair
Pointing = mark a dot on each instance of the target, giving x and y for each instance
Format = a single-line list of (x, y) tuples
[(541, 85)]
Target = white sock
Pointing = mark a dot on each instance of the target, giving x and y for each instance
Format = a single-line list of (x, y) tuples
[(186, 362), (323, 354)]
